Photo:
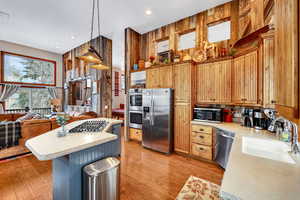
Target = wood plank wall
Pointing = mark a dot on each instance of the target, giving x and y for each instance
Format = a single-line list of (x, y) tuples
[(71, 62), (196, 22)]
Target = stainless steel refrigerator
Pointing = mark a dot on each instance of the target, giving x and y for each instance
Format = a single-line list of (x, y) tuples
[(158, 119)]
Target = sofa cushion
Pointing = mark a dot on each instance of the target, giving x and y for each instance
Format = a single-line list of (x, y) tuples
[(28, 116)]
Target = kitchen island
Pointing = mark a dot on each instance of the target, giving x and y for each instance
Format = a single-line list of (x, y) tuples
[(259, 165), (71, 153)]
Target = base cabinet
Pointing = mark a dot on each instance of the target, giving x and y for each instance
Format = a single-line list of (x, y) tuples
[(202, 141), (135, 134), (182, 115)]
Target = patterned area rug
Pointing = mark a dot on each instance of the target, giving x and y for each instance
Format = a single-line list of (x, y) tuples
[(199, 189)]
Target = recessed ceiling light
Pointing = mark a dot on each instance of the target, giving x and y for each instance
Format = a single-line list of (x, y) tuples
[(72, 37), (148, 12)]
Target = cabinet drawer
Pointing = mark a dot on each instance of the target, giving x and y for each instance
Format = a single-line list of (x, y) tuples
[(202, 129), (201, 138), (135, 134), (202, 151)]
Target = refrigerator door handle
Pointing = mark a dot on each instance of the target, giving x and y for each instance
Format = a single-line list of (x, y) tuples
[(152, 111)]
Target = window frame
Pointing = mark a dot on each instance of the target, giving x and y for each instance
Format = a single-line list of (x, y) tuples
[(30, 96), (3, 53), (228, 19)]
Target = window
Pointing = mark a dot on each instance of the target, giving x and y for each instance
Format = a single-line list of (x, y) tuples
[(219, 32), (187, 41), (27, 70), (29, 97), (162, 46)]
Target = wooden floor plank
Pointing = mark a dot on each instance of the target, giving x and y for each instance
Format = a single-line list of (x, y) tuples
[(145, 175)]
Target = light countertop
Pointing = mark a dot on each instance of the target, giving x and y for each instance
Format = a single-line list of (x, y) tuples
[(48, 146), (259, 165)]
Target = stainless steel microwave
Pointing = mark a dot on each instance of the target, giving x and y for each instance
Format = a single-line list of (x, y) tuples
[(208, 114)]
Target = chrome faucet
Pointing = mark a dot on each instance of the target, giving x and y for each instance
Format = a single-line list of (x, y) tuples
[(294, 145)]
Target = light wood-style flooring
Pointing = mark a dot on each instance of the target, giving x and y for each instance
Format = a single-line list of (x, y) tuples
[(145, 175)]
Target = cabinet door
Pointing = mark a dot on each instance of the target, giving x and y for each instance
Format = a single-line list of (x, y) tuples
[(223, 82), (152, 78), (166, 77), (182, 117), (182, 82), (238, 80), (269, 73), (287, 58), (204, 84), (251, 78)]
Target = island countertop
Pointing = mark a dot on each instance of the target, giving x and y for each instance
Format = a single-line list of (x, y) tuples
[(48, 146), (259, 165)]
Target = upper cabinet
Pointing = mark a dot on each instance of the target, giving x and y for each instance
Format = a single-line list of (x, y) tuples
[(286, 60), (152, 78), (245, 79), (269, 70), (183, 82), (161, 77), (214, 82)]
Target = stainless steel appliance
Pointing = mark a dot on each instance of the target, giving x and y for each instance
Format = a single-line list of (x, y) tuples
[(260, 120), (135, 108), (135, 99), (223, 147), (247, 117), (136, 119), (208, 114), (158, 119)]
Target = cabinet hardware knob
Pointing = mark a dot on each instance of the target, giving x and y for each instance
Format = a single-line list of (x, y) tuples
[(201, 149), (273, 101), (201, 129), (201, 136)]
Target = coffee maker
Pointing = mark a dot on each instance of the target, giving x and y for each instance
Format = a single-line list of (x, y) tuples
[(259, 119), (247, 117)]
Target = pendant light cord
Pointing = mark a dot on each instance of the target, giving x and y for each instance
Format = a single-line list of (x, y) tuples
[(92, 25)]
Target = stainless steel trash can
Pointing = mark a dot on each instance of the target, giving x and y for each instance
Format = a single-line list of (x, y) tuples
[(101, 180)]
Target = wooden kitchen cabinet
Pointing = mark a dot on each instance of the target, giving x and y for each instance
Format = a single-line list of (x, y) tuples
[(160, 77), (205, 86), (203, 140), (135, 134), (287, 58), (268, 49), (166, 77), (214, 82), (152, 78), (182, 82), (182, 118), (245, 79)]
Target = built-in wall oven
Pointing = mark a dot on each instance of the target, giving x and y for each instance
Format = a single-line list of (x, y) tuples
[(135, 99), (136, 108), (136, 119)]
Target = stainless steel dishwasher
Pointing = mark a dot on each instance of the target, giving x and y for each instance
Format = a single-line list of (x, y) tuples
[(223, 147)]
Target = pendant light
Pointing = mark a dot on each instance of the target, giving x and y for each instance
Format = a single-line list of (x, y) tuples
[(92, 56)]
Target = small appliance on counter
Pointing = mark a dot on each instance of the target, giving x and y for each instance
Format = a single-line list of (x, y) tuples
[(247, 117), (227, 115), (207, 114), (259, 119)]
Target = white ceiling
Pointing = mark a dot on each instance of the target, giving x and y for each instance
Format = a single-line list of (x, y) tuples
[(50, 24)]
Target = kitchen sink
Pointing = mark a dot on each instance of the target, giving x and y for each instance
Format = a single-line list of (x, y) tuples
[(270, 149)]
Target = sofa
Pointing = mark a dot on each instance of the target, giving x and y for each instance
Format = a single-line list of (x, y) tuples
[(32, 128)]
